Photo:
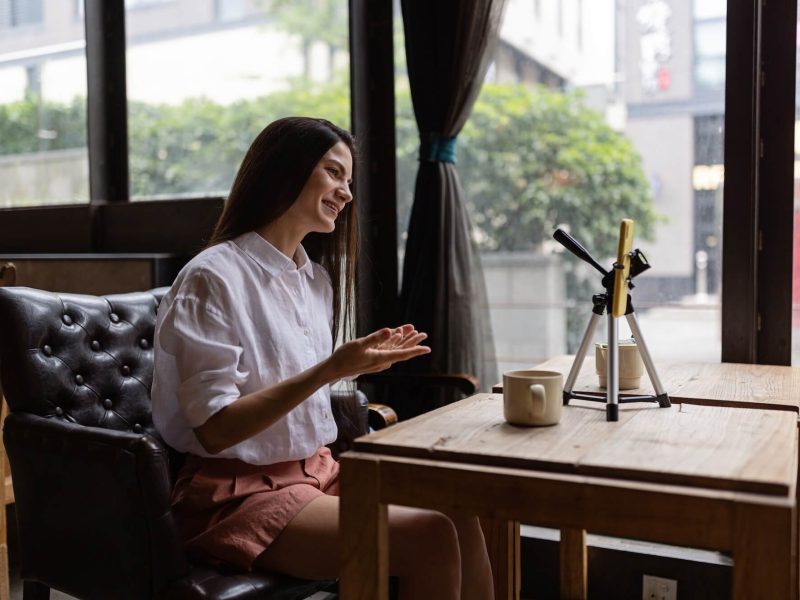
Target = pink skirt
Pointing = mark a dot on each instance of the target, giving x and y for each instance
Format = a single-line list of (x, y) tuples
[(228, 511)]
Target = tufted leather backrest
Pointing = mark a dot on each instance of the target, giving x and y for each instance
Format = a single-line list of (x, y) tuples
[(83, 359)]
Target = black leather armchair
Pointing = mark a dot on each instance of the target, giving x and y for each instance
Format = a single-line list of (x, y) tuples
[(92, 478)]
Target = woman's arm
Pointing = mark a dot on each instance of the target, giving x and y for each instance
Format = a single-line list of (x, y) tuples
[(253, 413)]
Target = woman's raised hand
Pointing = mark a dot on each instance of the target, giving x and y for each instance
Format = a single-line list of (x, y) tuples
[(377, 351)]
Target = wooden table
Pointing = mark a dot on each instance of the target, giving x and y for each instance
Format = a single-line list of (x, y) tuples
[(712, 384), (702, 476)]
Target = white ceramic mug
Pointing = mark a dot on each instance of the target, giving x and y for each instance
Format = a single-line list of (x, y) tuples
[(631, 366), (532, 397)]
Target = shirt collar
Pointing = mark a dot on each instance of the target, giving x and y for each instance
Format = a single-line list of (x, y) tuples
[(270, 258)]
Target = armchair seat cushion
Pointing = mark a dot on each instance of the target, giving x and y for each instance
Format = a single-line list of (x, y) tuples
[(204, 583)]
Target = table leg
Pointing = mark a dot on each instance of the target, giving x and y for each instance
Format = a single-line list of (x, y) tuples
[(502, 542), (796, 541), (762, 552), (363, 538), (573, 564)]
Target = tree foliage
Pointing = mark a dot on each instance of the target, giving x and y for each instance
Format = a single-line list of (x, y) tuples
[(529, 159), (31, 125), (534, 159), (313, 20), (196, 147)]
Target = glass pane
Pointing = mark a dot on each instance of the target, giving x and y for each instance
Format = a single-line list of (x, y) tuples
[(43, 156), (710, 39), (578, 130), (205, 77), (710, 72), (710, 9)]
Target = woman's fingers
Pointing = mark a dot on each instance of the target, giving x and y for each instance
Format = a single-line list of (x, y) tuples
[(407, 329), (391, 342), (413, 340), (395, 345), (401, 354), (378, 337)]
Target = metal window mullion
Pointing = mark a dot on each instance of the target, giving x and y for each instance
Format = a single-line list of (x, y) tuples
[(776, 182), (107, 108), (740, 212)]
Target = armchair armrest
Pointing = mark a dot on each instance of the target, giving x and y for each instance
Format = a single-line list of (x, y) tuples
[(95, 493), (411, 394), (354, 415), (466, 383), (349, 408), (381, 416)]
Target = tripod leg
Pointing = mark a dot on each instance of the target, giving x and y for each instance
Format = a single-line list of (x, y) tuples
[(663, 398), (569, 384), (612, 370)]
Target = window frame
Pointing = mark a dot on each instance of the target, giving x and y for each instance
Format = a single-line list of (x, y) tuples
[(759, 181)]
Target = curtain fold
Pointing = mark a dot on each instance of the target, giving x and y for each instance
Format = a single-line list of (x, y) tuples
[(448, 47)]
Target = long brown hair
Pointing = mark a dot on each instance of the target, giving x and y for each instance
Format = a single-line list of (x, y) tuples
[(271, 177)]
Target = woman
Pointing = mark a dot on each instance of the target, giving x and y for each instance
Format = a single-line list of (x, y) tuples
[(243, 368)]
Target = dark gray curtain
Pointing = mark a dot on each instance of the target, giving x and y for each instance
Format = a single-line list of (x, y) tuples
[(448, 46)]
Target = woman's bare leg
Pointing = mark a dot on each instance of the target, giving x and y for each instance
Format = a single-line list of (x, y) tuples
[(423, 549), (476, 570)]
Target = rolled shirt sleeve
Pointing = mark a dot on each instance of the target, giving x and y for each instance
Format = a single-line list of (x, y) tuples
[(207, 358)]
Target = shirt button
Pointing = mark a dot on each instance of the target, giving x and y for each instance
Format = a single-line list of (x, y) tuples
[(307, 332)]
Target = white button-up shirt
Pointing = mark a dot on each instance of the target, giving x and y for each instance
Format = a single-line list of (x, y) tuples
[(242, 316)]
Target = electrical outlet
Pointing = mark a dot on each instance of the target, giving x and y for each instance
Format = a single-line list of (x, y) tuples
[(658, 588)]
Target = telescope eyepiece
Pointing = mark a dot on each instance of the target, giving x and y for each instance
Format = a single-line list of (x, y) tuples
[(574, 246)]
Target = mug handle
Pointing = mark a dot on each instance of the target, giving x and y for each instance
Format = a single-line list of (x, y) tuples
[(539, 395)]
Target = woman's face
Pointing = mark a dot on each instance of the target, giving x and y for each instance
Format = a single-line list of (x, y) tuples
[(326, 192)]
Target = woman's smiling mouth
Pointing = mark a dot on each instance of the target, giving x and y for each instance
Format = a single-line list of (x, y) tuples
[(332, 206)]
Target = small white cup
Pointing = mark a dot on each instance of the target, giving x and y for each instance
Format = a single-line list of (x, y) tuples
[(631, 366), (532, 397)]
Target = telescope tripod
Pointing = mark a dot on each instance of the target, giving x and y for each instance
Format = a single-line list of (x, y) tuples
[(602, 304)]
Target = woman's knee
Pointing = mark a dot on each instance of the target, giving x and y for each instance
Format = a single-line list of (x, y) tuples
[(421, 535)]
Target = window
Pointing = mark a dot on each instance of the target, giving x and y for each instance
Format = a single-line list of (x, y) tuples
[(43, 157), (203, 83), (710, 9), (622, 136), (560, 13), (709, 51), (231, 10), (19, 13), (129, 4)]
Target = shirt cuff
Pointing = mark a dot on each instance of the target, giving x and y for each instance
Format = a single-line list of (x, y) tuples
[(200, 400)]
